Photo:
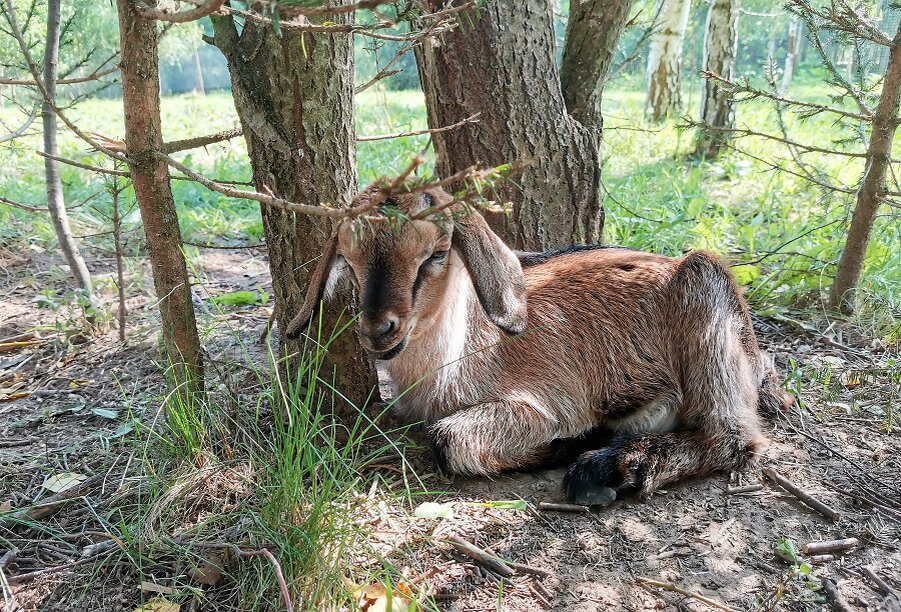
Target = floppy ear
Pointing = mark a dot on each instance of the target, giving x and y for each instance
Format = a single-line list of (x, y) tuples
[(495, 271), (316, 289)]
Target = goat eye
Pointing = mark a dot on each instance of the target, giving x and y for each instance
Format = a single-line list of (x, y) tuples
[(437, 257)]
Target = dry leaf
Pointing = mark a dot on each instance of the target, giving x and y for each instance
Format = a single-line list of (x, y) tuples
[(375, 597), (208, 573), (6, 506), (78, 383), (159, 604), (64, 481)]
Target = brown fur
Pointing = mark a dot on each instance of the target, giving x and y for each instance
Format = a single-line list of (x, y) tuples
[(502, 362)]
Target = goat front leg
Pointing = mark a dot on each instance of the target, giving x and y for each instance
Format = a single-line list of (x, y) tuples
[(493, 437)]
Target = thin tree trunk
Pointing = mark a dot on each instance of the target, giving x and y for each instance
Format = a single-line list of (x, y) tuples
[(150, 178), (502, 65), (665, 60), (720, 48), (198, 75), (869, 195), (294, 97), (116, 220), (55, 200), (791, 54), (592, 35)]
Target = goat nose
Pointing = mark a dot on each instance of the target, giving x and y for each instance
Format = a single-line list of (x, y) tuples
[(382, 327)]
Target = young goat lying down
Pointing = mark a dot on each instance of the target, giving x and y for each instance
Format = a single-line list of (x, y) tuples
[(507, 355)]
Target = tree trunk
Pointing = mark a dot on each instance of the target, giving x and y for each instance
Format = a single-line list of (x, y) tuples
[(665, 59), (720, 48), (592, 35), (869, 195), (150, 178), (198, 75), (55, 200), (502, 65), (294, 98), (791, 54)]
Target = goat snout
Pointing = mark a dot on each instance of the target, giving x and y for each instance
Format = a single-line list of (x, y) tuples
[(382, 333)]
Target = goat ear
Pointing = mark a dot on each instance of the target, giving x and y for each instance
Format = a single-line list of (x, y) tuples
[(495, 271), (316, 288)]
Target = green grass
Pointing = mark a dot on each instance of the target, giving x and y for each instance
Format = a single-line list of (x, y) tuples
[(787, 232), (281, 474)]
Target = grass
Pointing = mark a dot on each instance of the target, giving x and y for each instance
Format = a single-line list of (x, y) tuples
[(783, 233), (279, 473)]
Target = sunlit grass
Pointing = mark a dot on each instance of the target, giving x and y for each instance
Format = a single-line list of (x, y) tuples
[(788, 231)]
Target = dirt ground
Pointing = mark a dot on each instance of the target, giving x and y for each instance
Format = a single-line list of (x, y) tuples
[(66, 399)]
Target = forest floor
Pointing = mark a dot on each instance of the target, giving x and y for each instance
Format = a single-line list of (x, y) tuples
[(82, 403)]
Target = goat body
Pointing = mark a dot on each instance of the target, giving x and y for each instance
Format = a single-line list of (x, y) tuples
[(659, 350)]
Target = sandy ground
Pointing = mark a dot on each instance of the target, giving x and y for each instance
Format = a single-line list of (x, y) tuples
[(65, 401)]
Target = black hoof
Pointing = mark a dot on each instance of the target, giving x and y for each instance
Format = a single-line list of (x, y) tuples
[(590, 481)]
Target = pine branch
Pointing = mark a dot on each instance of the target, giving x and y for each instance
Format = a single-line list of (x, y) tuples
[(753, 93)]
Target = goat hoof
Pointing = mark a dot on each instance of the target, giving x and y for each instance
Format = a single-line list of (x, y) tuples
[(595, 496)]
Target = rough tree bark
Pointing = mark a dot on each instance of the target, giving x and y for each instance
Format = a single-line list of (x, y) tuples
[(665, 59), (294, 98), (502, 65), (720, 48), (138, 39), (885, 120), (56, 202), (592, 34)]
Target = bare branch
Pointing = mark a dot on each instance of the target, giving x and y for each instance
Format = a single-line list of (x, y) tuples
[(201, 141), (165, 14), (19, 205), (21, 129), (94, 76), (83, 166), (470, 119)]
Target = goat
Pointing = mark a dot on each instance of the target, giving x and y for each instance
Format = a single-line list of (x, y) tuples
[(502, 356)]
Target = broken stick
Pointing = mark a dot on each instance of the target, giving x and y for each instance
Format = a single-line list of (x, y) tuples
[(829, 546), (802, 495), (493, 563), (677, 589), (835, 599), (554, 507), (745, 489)]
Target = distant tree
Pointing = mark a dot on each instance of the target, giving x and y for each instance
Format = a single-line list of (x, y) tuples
[(56, 203), (665, 59), (720, 47), (293, 91), (792, 52), (502, 66)]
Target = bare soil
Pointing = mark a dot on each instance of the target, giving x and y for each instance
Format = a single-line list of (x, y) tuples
[(67, 401)]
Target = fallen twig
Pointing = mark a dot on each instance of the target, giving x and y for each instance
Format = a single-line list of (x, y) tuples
[(54, 503), (829, 546), (802, 495), (554, 507), (491, 562), (834, 598), (881, 584), (521, 567), (890, 512), (8, 557), (817, 559), (745, 489), (677, 589)]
